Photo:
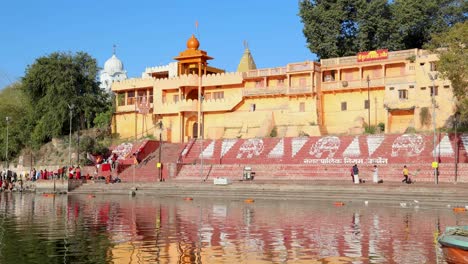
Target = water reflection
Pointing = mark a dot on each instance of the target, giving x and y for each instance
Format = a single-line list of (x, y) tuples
[(122, 229)]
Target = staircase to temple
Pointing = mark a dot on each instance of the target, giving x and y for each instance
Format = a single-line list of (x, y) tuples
[(329, 158), (147, 171), (308, 172)]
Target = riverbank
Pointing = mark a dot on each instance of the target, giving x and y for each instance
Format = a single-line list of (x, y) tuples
[(441, 194)]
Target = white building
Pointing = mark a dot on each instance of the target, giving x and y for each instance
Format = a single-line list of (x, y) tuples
[(113, 71)]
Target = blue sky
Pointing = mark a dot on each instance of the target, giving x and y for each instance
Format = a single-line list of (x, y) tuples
[(149, 33)]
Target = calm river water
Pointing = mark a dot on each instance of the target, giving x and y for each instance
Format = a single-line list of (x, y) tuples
[(147, 229)]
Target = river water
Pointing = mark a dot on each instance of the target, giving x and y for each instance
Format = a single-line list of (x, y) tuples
[(148, 229)]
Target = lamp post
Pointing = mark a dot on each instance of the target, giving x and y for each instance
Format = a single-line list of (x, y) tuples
[(70, 107), (456, 118), (160, 124), (368, 103), (6, 149), (201, 138), (435, 165)]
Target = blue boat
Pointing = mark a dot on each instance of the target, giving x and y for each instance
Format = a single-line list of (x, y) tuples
[(454, 243)]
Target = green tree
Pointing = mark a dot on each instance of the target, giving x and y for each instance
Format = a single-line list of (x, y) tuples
[(335, 28), (452, 48), (417, 20), (16, 106), (55, 82)]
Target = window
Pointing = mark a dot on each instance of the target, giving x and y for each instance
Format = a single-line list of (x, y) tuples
[(423, 88), (259, 83), (218, 95), (446, 86), (433, 66), (434, 90), (411, 68), (411, 86), (151, 96), (120, 99), (329, 76), (302, 107), (281, 83), (403, 94), (130, 98), (366, 104), (175, 98), (252, 107), (141, 94), (207, 96), (391, 88), (344, 106), (164, 99)]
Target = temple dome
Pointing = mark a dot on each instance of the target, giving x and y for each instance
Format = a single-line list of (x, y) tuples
[(113, 65), (193, 43)]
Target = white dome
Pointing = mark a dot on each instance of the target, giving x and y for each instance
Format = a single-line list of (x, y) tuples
[(113, 65)]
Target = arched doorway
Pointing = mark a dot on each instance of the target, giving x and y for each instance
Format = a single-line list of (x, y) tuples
[(193, 95), (195, 130), (190, 127)]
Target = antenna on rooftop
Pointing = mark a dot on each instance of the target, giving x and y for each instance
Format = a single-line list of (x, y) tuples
[(246, 44)]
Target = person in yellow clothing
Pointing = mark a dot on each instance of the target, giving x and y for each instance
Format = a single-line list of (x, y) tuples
[(405, 174)]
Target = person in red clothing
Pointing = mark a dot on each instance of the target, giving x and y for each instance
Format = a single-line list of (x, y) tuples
[(70, 172), (78, 173)]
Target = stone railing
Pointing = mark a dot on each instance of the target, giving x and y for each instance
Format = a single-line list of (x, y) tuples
[(209, 105), (265, 72), (277, 91), (392, 55), (224, 104), (301, 90), (264, 91), (130, 108), (301, 66), (354, 84)]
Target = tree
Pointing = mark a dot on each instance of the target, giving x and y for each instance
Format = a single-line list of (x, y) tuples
[(54, 82), (452, 48), (15, 105), (417, 20), (335, 28)]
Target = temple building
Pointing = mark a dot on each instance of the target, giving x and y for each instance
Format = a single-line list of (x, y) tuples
[(113, 72), (397, 91)]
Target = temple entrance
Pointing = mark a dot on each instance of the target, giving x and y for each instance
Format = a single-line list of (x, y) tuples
[(195, 130)]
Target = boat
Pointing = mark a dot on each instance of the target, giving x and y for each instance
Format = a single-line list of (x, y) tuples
[(454, 243)]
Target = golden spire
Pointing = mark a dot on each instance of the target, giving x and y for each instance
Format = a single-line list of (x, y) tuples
[(247, 62)]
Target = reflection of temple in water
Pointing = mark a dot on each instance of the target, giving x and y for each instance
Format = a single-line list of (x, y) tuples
[(164, 230)]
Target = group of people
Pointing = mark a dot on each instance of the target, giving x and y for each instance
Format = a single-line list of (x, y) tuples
[(8, 179), (375, 176)]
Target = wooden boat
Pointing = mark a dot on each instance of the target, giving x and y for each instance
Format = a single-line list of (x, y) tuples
[(454, 243)]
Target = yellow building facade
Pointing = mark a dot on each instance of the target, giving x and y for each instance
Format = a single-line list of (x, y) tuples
[(400, 89)]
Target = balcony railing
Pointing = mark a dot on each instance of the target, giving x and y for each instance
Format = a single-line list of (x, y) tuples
[(264, 91), (392, 55), (277, 91), (130, 108), (300, 90), (374, 82), (224, 104), (305, 66), (265, 72)]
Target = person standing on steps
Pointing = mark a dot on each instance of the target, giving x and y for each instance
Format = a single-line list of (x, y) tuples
[(405, 174), (375, 177), (356, 174)]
